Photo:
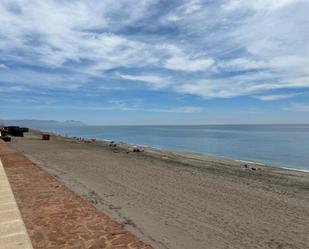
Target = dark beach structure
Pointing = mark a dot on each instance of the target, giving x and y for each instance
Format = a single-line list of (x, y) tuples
[(24, 129), (14, 131)]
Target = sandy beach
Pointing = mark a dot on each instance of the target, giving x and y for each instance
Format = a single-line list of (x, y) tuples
[(179, 200)]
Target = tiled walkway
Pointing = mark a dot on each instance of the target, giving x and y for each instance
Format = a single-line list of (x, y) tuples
[(54, 216)]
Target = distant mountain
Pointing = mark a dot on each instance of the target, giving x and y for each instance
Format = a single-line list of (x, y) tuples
[(42, 124)]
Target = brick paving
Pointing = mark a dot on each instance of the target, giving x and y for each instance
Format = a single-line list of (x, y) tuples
[(54, 216)]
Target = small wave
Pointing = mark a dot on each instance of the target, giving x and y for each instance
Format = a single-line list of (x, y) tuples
[(242, 161), (293, 169)]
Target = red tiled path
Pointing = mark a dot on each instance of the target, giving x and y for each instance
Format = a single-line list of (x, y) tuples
[(54, 216)]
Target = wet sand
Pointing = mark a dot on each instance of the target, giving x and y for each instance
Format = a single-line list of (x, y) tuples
[(181, 200)]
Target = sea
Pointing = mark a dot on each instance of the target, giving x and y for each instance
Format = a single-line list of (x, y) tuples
[(278, 145)]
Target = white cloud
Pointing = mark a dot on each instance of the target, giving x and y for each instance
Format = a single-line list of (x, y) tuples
[(301, 107), (290, 64), (238, 86), (264, 37), (210, 89), (183, 109), (187, 64), (276, 96), (187, 109), (54, 32), (26, 78), (239, 64), (258, 4), (186, 9), (2, 66), (112, 88), (155, 81), (8, 89), (111, 107), (135, 106), (208, 39)]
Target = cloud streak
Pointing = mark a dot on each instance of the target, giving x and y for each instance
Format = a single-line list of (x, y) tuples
[(276, 96), (157, 82), (300, 107)]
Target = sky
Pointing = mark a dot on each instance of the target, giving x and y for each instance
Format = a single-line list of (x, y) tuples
[(155, 62)]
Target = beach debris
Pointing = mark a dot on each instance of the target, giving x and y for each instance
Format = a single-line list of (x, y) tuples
[(247, 168), (112, 144), (92, 197), (45, 136), (127, 222), (88, 140), (114, 207), (137, 148), (85, 140)]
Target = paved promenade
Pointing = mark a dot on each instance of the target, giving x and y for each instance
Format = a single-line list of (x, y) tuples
[(13, 234), (54, 216)]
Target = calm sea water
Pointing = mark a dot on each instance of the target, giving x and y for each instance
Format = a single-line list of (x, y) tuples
[(281, 145)]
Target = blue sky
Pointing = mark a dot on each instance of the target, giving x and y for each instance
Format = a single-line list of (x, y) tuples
[(155, 62)]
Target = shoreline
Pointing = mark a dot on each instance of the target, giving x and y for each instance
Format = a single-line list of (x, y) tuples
[(206, 155)]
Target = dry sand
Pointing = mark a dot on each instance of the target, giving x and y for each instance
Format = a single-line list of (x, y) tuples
[(178, 200)]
